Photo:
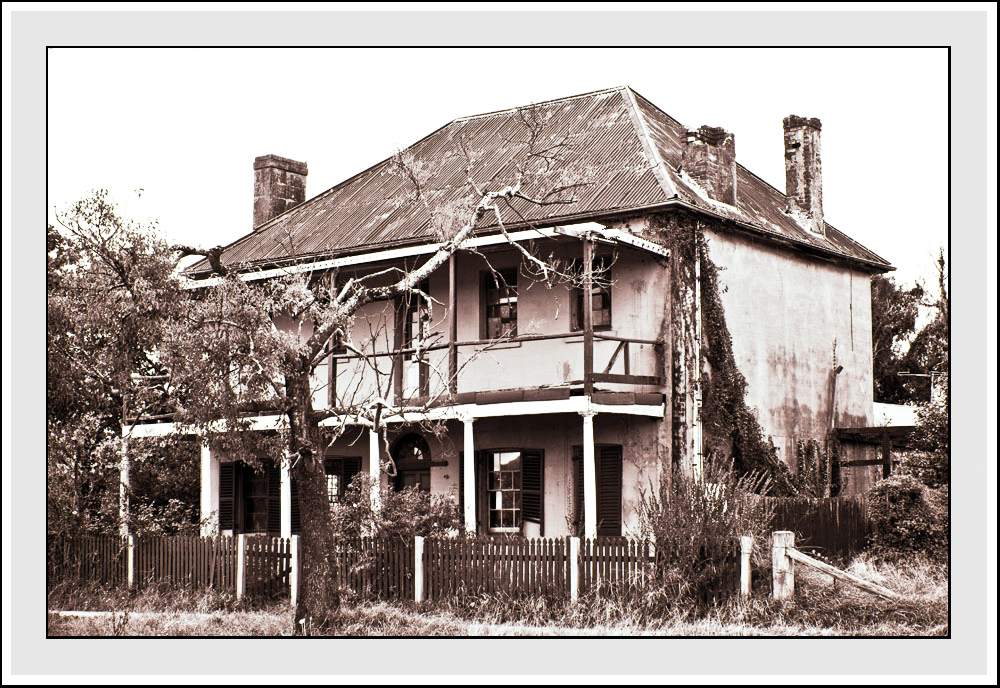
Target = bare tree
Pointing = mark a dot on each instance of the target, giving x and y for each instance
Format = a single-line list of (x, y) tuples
[(226, 356)]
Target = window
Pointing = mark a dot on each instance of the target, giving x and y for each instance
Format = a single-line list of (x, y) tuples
[(416, 326), (508, 489), (335, 347), (340, 470), (601, 287), (255, 501), (503, 476), (416, 334), (250, 498), (500, 295)]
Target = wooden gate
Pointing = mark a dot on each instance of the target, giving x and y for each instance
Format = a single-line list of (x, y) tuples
[(268, 562)]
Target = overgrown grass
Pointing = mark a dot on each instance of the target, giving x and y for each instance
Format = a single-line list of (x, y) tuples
[(160, 597), (820, 608)]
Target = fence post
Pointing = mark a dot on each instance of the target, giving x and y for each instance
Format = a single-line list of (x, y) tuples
[(418, 568), (746, 549), (574, 569), (783, 569), (293, 576), (131, 561), (241, 565)]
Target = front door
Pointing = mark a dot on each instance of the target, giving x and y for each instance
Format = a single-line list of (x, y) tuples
[(413, 463)]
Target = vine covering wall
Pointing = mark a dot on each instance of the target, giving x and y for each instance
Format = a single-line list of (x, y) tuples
[(731, 433)]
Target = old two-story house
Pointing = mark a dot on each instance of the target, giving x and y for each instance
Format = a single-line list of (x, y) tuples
[(557, 404)]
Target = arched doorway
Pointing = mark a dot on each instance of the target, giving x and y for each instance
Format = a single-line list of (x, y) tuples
[(413, 463)]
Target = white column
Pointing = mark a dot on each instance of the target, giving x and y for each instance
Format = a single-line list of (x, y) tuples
[(418, 568), (286, 499), (375, 470), (589, 476), (209, 492), (124, 483), (241, 565), (574, 569), (131, 562), (469, 482)]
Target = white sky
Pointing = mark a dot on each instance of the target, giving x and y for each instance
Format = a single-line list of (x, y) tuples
[(186, 124)]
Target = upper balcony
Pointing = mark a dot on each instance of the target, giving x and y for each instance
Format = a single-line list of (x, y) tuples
[(488, 337)]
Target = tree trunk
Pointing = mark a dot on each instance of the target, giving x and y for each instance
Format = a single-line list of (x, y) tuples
[(319, 594)]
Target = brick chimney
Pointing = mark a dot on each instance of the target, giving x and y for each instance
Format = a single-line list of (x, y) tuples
[(278, 184), (804, 172), (710, 159)]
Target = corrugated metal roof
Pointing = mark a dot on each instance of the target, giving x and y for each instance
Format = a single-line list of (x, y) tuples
[(615, 139)]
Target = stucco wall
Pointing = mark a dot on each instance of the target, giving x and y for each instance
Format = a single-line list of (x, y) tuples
[(787, 314)]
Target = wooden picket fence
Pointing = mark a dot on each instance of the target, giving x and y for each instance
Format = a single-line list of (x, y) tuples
[(376, 567), (614, 562), (183, 561), (96, 558), (196, 562), (268, 566), (514, 566)]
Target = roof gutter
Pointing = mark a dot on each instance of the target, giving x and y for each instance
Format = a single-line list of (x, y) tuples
[(429, 248)]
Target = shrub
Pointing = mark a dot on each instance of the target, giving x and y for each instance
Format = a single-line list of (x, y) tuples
[(696, 529), (906, 516), (403, 514)]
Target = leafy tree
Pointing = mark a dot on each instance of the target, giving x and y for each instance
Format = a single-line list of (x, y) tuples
[(928, 353), (894, 317), (110, 291)]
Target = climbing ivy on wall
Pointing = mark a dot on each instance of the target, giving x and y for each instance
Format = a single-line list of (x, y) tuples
[(730, 429)]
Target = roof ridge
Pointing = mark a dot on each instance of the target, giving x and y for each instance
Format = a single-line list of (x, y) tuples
[(659, 165), (543, 102)]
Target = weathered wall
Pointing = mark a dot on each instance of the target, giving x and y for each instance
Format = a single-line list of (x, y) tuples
[(637, 292), (788, 316)]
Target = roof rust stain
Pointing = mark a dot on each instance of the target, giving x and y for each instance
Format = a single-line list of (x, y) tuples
[(378, 207)]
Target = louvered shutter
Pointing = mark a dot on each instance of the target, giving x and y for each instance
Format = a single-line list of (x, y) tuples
[(608, 458), (609, 490), (578, 491), (273, 498), (461, 486), (227, 495), (482, 507), (533, 487)]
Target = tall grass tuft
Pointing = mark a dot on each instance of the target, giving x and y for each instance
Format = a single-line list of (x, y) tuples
[(696, 526)]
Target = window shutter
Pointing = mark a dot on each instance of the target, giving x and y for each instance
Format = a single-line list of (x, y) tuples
[(482, 508), (578, 490), (609, 490), (533, 487), (227, 494), (461, 486), (273, 498)]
